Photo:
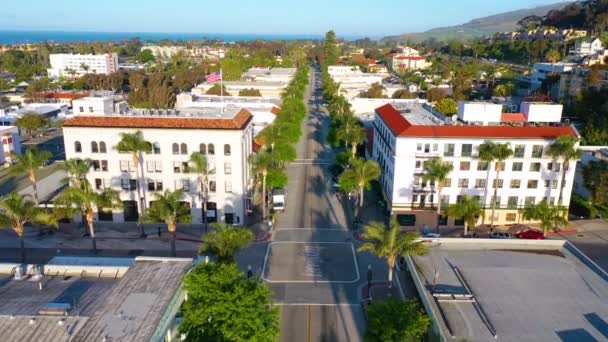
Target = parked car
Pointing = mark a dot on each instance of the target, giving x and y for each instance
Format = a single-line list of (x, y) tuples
[(431, 236), (500, 235), (532, 234)]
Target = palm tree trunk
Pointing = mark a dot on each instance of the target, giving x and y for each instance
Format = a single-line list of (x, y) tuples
[(465, 228), (561, 185), (140, 195), (35, 188), (173, 250), (264, 196), (90, 219), (361, 196), (485, 195), (22, 247), (438, 205), (354, 150), (494, 199), (391, 266)]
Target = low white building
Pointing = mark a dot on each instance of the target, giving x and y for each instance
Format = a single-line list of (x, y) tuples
[(267, 74), (164, 52), (267, 89), (9, 143), (404, 141), (226, 139), (75, 65)]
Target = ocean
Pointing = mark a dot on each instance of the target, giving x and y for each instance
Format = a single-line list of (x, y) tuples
[(22, 37)]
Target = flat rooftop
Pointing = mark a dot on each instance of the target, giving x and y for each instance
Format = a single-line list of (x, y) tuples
[(527, 295), (125, 308), (237, 99), (248, 84)]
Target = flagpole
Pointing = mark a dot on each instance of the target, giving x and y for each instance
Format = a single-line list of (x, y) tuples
[(222, 90)]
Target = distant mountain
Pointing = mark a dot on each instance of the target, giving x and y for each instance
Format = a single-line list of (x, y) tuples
[(479, 27)]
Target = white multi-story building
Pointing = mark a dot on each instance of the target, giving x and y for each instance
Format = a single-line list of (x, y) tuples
[(74, 65), (226, 139), (9, 143), (401, 62), (404, 141)]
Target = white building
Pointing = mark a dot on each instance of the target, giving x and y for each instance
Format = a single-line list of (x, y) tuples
[(352, 81), (225, 138), (399, 62), (9, 143), (403, 141), (267, 89), (63, 65), (164, 52), (584, 48), (267, 74)]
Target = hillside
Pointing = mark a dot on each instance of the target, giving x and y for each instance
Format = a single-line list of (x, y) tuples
[(479, 27)]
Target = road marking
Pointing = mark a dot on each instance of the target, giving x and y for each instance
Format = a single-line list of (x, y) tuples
[(309, 324)]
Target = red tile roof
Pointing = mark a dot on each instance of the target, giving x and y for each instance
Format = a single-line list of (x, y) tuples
[(275, 110), (513, 117), (239, 121), (400, 126), (71, 96)]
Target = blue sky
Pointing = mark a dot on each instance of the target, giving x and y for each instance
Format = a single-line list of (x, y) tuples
[(351, 18)]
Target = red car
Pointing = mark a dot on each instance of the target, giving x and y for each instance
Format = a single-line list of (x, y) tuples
[(530, 234)]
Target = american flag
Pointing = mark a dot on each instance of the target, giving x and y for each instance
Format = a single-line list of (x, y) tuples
[(214, 77)]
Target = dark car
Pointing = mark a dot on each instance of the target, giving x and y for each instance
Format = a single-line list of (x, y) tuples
[(531, 234)]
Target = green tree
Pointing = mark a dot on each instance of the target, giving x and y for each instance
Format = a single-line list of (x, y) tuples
[(350, 132), (403, 94), (225, 306), (396, 320), (330, 49), (564, 149), (595, 176), (504, 90), (553, 56), (16, 211), (29, 163), (390, 243), (145, 56), (490, 152), (447, 106), (468, 209), (225, 241), (76, 170), (261, 164), (437, 171), (82, 199), (250, 92), (200, 166), (31, 122), (548, 215), (359, 177), (168, 207), (136, 145), (435, 94), (216, 90), (375, 91)]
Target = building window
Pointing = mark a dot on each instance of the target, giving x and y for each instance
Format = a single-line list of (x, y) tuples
[(90, 109), (537, 151), (228, 186), (495, 200), (183, 184), (553, 166), (448, 150), (482, 166), (150, 166), (211, 149), (96, 165), (535, 167), (499, 185), (463, 183), (175, 148), (532, 184), (177, 167), (128, 184), (517, 166), (202, 148), (77, 147), (465, 166), (183, 148), (515, 183), (94, 147), (98, 184), (554, 184), (212, 186), (102, 147), (417, 180), (156, 148), (529, 201), (467, 150), (447, 183), (227, 150), (480, 183), (104, 165), (511, 217), (125, 165), (418, 164), (227, 168), (512, 202), (81, 109), (519, 151)]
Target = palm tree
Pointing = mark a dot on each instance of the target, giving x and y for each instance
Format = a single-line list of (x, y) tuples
[(167, 207), (225, 241), (548, 215), (468, 209), (76, 170), (437, 172), (350, 132), (489, 152), (29, 162), (359, 177), (564, 148), (391, 243), (136, 145), (261, 164), (82, 199), (84, 67), (200, 166), (17, 210)]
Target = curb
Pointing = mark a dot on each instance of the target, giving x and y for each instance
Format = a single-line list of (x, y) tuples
[(565, 231)]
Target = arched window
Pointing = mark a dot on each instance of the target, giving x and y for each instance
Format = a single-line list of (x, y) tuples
[(227, 150), (184, 148), (202, 149), (77, 147), (102, 147), (175, 148), (94, 148), (211, 149), (156, 148)]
